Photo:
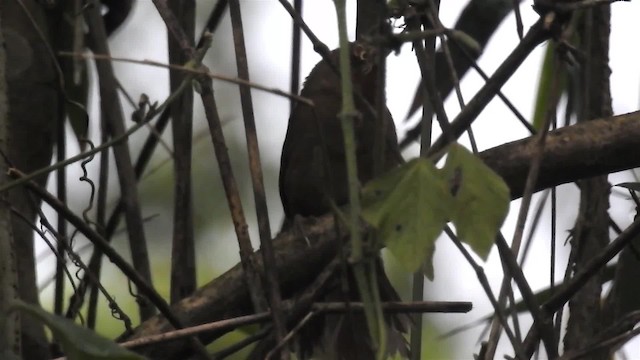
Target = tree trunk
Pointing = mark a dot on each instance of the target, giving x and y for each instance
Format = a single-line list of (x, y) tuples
[(591, 232), (33, 111)]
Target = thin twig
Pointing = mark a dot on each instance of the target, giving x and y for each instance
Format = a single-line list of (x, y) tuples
[(614, 336), (461, 123), (425, 55), (433, 17), (317, 308), (61, 191), (427, 69), (107, 228), (175, 28), (94, 266), (112, 114), (375, 322), (318, 45), (192, 71), (116, 310), (183, 267), (198, 329), (519, 26), (285, 339), (474, 64), (232, 193), (296, 45), (545, 325), (481, 22), (532, 178), (592, 267), (214, 20), (517, 346), (262, 212), (100, 242), (243, 343)]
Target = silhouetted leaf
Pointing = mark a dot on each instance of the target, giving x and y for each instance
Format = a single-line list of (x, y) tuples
[(635, 186)]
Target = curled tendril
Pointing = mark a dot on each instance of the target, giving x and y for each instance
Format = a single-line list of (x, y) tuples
[(86, 179), (140, 299), (116, 311)]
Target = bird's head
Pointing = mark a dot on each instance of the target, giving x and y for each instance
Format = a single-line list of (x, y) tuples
[(363, 56)]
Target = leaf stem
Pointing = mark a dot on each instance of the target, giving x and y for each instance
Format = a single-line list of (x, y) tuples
[(359, 263)]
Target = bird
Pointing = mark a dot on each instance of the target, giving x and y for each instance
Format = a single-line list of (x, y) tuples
[(313, 175)]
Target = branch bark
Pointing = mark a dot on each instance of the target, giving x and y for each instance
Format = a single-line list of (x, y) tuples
[(591, 231), (571, 153), (9, 328), (34, 108)]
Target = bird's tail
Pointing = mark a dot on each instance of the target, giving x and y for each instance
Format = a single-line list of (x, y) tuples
[(345, 336)]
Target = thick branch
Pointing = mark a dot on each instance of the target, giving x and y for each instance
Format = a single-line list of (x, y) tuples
[(227, 296), (595, 148)]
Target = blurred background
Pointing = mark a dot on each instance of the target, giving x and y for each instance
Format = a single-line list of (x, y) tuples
[(268, 39)]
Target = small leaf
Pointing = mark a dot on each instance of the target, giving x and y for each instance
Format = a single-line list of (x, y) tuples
[(481, 199), (79, 120), (544, 88), (409, 206), (79, 343)]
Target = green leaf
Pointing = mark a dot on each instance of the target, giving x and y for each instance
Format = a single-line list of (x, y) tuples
[(409, 206), (544, 88), (79, 343), (481, 199)]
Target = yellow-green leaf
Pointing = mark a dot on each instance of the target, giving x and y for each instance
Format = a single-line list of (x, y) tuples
[(548, 75), (409, 206), (78, 343), (481, 199)]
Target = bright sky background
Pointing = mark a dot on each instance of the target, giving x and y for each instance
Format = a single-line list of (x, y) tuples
[(268, 36)]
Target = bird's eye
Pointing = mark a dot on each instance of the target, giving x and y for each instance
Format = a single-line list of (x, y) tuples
[(363, 57), (360, 52)]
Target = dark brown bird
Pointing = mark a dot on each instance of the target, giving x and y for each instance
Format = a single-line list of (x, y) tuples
[(313, 173), (313, 165)]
